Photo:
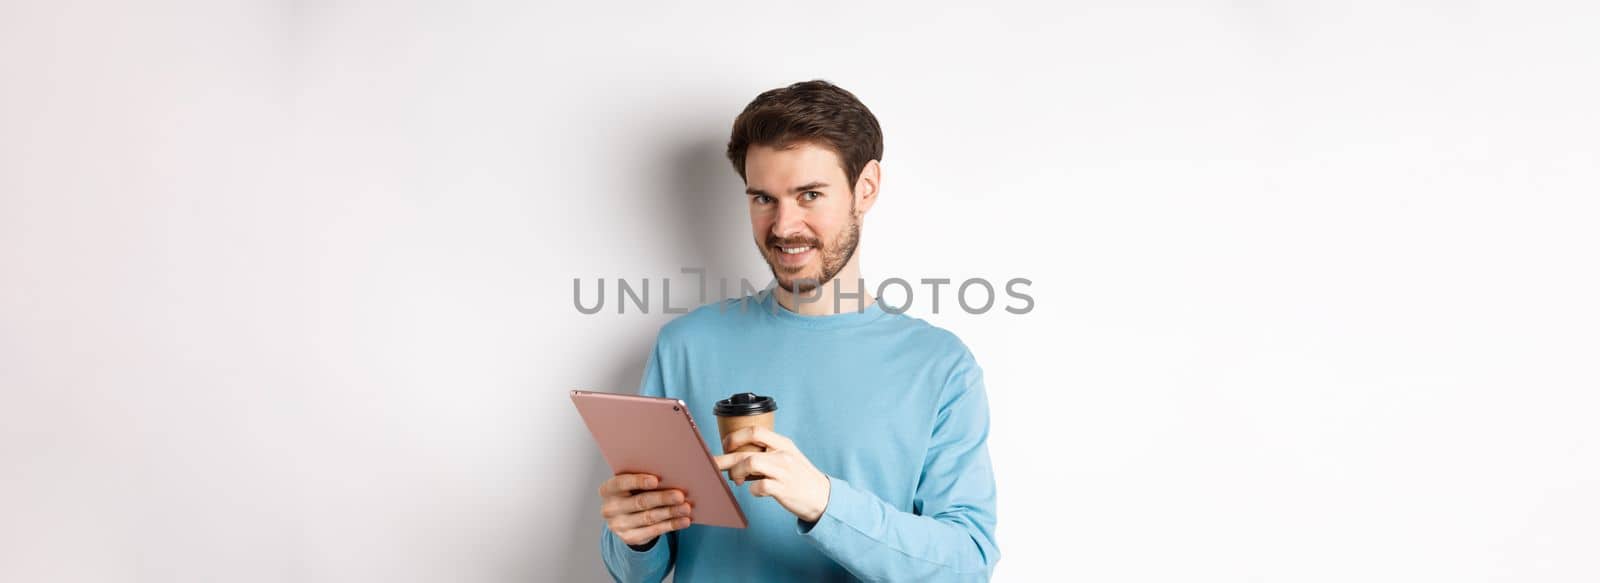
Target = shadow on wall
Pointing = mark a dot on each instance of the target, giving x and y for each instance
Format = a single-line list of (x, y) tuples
[(580, 561), (701, 212), (708, 203)]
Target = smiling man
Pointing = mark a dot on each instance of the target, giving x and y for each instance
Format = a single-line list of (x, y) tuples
[(878, 465)]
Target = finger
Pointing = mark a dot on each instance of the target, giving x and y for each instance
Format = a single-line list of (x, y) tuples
[(653, 516), (759, 465), (656, 498), (644, 534), (740, 469), (620, 505), (773, 440), (622, 484), (738, 438), (728, 460), (758, 435), (765, 487)]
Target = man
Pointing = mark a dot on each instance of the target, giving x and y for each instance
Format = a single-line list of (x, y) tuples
[(878, 465)]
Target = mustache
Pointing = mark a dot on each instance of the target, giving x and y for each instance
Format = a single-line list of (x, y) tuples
[(776, 241)]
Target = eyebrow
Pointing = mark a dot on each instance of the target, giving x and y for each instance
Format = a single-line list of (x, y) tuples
[(813, 185)]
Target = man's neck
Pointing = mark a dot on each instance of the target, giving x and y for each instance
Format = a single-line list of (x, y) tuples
[(846, 286)]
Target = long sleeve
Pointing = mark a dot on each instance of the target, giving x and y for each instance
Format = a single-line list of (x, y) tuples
[(625, 564), (630, 566), (949, 535)]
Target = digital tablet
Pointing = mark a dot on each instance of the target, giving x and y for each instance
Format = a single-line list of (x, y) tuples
[(651, 435)]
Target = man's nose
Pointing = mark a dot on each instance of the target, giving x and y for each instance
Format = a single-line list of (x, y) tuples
[(790, 220)]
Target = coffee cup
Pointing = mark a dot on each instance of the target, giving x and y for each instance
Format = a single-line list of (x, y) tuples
[(745, 410)]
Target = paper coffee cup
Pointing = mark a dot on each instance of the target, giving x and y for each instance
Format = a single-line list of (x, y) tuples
[(745, 410)]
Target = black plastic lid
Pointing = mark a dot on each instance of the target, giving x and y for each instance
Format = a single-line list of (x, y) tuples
[(746, 404)]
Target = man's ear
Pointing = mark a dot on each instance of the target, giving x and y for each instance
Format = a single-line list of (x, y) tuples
[(868, 185)]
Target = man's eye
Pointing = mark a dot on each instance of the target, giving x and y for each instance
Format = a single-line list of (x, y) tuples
[(761, 199), (811, 195)]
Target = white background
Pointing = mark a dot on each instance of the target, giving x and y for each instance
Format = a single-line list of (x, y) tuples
[(285, 287)]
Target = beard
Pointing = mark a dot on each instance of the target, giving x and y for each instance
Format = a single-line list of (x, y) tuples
[(835, 254)]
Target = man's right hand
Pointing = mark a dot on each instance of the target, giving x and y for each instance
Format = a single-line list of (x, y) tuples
[(637, 512)]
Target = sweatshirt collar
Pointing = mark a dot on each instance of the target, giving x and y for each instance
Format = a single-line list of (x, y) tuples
[(849, 317)]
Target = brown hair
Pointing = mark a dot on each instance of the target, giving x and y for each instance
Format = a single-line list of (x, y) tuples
[(809, 111)]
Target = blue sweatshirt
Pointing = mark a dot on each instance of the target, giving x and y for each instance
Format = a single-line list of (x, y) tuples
[(891, 408)]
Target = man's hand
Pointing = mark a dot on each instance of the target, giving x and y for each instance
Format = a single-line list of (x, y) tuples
[(638, 518), (788, 476)]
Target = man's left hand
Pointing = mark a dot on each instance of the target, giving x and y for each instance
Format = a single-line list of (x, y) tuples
[(788, 476)]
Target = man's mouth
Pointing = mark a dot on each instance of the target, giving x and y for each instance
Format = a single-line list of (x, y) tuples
[(792, 257)]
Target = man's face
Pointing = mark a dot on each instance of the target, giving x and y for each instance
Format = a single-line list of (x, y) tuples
[(803, 213)]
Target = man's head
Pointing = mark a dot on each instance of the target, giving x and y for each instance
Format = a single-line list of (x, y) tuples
[(809, 155)]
